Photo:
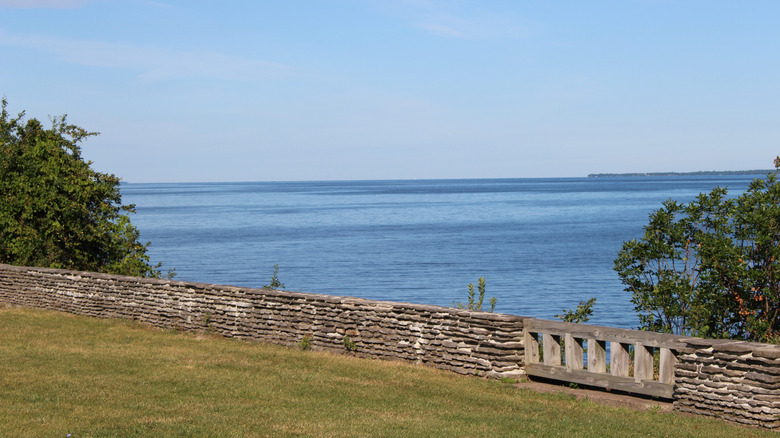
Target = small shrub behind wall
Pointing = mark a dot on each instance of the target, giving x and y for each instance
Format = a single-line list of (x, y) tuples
[(466, 342)]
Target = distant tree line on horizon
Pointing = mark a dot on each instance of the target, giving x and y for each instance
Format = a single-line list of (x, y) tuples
[(698, 173)]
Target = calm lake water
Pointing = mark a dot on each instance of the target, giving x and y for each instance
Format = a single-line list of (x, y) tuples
[(542, 244)]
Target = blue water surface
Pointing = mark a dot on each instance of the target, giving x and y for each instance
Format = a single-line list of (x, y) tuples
[(542, 244)]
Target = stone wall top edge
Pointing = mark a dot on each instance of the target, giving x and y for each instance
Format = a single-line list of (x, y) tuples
[(398, 305), (734, 346), (90, 274), (501, 317)]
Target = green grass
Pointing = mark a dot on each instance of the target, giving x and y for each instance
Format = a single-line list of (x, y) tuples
[(62, 374)]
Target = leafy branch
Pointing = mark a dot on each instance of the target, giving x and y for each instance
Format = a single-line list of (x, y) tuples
[(476, 297)]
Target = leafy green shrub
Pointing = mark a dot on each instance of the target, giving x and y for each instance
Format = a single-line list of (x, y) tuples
[(55, 210), (305, 343), (474, 300), (581, 314), (349, 344), (710, 267), (275, 283)]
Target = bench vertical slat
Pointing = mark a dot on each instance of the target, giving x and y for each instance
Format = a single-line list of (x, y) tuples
[(573, 352), (643, 363), (597, 356), (666, 366), (531, 347), (551, 344), (619, 359)]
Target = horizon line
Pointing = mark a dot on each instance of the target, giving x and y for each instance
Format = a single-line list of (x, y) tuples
[(588, 176)]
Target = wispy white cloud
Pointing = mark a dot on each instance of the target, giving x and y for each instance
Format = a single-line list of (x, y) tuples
[(462, 19), (441, 29), (152, 63), (44, 4), (484, 26)]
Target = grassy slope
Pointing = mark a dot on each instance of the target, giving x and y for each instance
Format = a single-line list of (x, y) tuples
[(63, 374)]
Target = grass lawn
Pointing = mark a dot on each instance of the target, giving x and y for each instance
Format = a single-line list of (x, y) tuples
[(62, 374)]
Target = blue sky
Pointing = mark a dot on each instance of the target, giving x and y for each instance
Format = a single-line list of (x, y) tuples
[(372, 89)]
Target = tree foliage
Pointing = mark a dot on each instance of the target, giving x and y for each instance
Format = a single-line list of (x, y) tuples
[(55, 211), (710, 267), (581, 314)]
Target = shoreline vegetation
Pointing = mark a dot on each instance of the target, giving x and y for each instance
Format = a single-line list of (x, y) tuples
[(698, 173)]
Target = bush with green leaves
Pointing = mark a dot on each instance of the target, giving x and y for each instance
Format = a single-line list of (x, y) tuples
[(349, 344), (305, 343), (55, 210), (474, 300), (710, 267), (275, 282), (581, 314)]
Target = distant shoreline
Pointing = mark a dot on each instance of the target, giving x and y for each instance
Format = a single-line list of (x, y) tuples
[(699, 173)]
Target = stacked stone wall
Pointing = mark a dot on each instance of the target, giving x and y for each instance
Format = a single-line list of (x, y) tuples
[(466, 342), (736, 381), (733, 380)]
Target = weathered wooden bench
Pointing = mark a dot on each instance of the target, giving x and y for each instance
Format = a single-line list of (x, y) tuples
[(639, 362)]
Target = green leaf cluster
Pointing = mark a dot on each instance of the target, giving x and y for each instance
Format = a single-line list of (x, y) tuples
[(710, 267), (275, 282), (476, 297), (581, 314), (55, 210)]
